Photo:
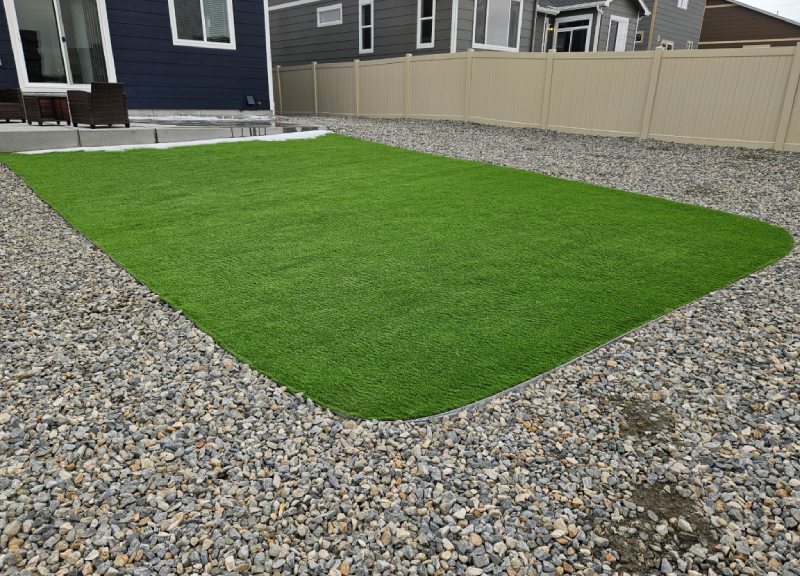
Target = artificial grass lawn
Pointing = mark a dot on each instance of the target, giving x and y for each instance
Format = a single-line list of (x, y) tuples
[(392, 284)]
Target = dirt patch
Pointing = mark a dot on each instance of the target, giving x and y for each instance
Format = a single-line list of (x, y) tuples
[(644, 418), (663, 507)]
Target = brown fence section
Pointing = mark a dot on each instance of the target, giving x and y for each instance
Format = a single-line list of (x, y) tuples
[(728, 97)]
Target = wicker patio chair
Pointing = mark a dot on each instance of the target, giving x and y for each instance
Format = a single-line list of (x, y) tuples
[(106, 105), (11, 106)]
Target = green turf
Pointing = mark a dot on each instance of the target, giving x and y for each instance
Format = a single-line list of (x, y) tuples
[(391, 284)]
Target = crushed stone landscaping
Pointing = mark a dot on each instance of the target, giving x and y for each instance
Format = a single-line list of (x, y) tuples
[(130, 443)]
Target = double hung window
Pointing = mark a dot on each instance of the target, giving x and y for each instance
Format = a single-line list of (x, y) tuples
[(202, 23), (497, 24), (426, 23), (366, 27)]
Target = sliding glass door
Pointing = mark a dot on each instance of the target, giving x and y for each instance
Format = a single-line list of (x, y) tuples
[(60, 42)]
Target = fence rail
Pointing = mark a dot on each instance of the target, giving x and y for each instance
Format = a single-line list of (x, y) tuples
[(729, 97)]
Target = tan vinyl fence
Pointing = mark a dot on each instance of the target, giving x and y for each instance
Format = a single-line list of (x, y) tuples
[(728, 97)]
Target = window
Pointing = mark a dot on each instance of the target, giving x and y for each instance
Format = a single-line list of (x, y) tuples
[(425, 23), (639, 37), (667, 45), (690, 45), (683, 4), (366, 27), (572, 33), (497, 24), (329, 15), (202, 23)]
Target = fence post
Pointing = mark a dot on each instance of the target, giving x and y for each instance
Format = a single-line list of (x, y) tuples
[(408, 85), (651, 92), (314, 72), (280, 95), (788, 100), (548, 77), (355, 74), (468, 85)]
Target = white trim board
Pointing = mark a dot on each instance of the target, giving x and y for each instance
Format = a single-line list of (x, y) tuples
[(291, 4), (203, 43), (602, 3), (19, 55)]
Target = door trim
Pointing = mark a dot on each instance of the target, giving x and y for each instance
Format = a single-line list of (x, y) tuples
[(590, 17), (619, 20), (19, 55)]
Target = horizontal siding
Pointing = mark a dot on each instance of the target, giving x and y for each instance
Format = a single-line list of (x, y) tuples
[(624, 9), (159, 75), (527, 26), (677, 25), (466, 14), (8, 70), (738, 23), (297, 40)]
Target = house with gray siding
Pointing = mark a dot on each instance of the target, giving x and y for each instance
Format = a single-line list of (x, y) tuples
[(672, 25), (304, 31)]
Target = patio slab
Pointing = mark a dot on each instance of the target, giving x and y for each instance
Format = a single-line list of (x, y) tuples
[(20, 137)]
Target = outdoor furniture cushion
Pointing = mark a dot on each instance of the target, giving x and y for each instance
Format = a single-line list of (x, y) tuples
[(11, 106), (106, 105)]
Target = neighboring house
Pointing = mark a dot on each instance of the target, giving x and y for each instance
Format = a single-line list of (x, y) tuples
[(304, 31), (580, 26), (200, 55), (731, 24), (671, 25)]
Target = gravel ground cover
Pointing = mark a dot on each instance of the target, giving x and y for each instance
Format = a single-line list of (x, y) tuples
[(131, 444)]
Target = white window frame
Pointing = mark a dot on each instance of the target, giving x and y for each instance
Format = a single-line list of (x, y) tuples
[(668, 45), (573, 19), (48, 87), (202, 43), (619, 20), (690, 44), (326, 9), (371, 4), (683, 4), (432, 18), (490, 46)]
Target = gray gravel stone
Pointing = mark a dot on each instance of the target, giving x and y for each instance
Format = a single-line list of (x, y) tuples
[(130, 443)]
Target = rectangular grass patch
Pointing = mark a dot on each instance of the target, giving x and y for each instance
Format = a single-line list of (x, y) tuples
[(386, 283)]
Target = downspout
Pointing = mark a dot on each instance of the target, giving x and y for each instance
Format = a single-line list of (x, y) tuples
[(454, 28), (636, 31), (269, 58), (597, 27)]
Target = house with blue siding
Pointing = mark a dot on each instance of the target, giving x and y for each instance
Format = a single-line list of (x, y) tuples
[(198, 56)]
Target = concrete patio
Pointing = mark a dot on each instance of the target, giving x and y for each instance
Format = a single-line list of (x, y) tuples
[(20, 137)]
